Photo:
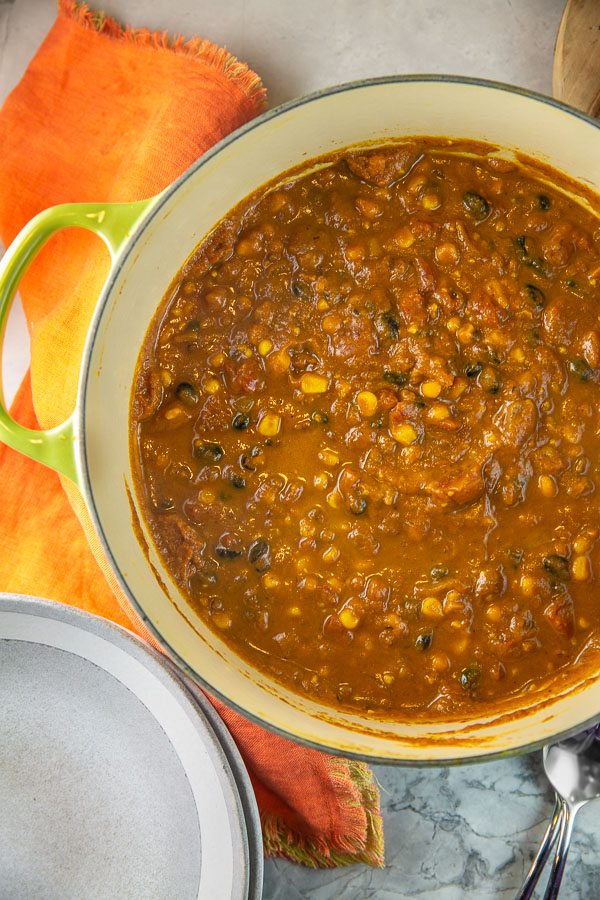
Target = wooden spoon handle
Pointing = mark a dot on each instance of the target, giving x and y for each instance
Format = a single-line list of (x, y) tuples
[(576, 71)]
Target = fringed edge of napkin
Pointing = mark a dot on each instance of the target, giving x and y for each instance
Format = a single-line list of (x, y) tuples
[(362, 841), (205, 51)]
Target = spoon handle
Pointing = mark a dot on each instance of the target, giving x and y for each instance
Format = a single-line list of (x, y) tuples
[(543, 853), (560, 858)]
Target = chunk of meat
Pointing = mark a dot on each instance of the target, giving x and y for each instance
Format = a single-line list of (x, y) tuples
[(354, 337), (560, 322), (426, 275), (517, 420), (404, 411), (148, 394), (212, 416), (483, 310), (590, 348), (549, 461), (182, 543), (413, 306), (422, 229), (249, 376), (459, 487), (428, 363), (381, 168), (561, 615), (562, 242)]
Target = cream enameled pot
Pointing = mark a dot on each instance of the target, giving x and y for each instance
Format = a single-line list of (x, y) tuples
[(149, 241)]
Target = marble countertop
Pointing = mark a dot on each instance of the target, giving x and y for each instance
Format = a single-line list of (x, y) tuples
[(465, 833)]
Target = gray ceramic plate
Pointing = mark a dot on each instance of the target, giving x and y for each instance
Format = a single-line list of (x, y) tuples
[(113, 781)]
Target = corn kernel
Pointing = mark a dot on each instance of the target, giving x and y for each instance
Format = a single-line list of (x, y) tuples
[(173, 412), (217, 360), (221, 620), (432, 608), (547, 486), (246, 351), (528, 585), (313, 384), (387, 678), (348, 618), (321, 480), (412, 329), (581, 569), (270, 581), (322, 304), (330, 323), (440, 662), (303, 564), (330, 555), (207, 496), (458, 388), (212, 385), (438, 412), (453, 602), (269, 425), (431, 201), (354, 252), (446, 253), (517, 354), (431, 389), (367, 403), (494, 613), (404, 237), (307, 528), (335, 500), (453, 324), (329, 457), (277, 201), (279, 362), (582, 544), (572, 433), (246, 248), (216, 298), (295, 611), (404, 434), (265, 347), (368, 207), (166, 378), (465, 333)]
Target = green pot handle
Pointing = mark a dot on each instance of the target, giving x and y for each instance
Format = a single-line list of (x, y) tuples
[(114, 223)]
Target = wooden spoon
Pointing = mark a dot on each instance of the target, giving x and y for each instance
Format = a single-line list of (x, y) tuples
[(576, 71)]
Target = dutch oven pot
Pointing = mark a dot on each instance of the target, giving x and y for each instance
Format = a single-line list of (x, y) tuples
[(149, 241)]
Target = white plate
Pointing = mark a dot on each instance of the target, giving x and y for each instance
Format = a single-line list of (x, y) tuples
[(113, 783)]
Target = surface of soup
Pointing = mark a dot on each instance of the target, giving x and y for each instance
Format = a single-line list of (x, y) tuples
[(366, 430)]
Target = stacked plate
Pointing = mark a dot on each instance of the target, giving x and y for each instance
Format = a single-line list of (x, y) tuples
[(117, 778)]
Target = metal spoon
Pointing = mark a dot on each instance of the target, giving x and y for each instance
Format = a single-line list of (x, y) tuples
[(573, 769)]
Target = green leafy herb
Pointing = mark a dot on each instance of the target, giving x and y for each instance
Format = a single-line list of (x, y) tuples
[(206, 450), (476, 204), (396, 378), (557, 565), (470, 676)]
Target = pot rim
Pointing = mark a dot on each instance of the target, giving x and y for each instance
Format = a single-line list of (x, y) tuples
[(79, 417)]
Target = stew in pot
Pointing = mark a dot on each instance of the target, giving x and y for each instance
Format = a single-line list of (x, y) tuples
[(366, 427)]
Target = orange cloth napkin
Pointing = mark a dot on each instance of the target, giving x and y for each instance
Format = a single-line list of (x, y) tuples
[(115, 114)]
